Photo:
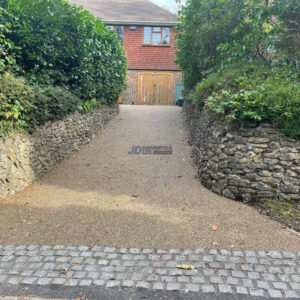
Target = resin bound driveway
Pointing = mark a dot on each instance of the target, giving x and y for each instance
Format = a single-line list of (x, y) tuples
[(104, 196)]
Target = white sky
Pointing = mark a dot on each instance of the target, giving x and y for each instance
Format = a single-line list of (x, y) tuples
[(170, 4)]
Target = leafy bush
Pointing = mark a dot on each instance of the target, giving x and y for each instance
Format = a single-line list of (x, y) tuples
[(241, 59), (288, 41), (63, 45), (227, 79), (214, 34), (7, 47), (69, 59), (23, 107), (16, 105), (53, 103), (88, 106), (253, 93)]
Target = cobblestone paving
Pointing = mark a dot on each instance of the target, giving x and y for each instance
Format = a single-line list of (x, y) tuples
[(256, 273)]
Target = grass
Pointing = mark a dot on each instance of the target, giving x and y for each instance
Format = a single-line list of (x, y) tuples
[(286, 212)]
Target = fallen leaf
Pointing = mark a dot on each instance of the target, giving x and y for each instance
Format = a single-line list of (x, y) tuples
[(63, 270), (185, 267), (214, 228)]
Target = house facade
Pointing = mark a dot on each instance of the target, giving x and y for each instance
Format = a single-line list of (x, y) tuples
[(147, 32)]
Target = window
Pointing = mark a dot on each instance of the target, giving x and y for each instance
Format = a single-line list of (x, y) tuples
[(118, 30), (157, 36)]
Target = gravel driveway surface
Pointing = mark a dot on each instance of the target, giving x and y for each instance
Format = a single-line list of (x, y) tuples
[(104, 196)]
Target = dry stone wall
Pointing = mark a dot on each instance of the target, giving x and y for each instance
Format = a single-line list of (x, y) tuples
[(24, 157), (243, 163)]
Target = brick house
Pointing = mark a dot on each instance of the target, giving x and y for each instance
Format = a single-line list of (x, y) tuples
[(148, 36)]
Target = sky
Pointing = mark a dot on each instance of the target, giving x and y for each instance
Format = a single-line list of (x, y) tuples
[(170, 4)]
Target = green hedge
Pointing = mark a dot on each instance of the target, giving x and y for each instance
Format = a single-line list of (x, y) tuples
[(53, 103), (68, 60), (62, 44), (23, 107), (7, 47), (242, 59), (16, 104), (253, 92)]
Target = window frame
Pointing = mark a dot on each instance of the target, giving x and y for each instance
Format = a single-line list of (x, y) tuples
[(155, 31), (113, 28)]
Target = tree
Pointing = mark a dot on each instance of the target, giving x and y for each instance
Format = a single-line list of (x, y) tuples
[(216, 33)]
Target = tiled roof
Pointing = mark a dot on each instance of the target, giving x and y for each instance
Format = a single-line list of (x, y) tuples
[(127, 11)]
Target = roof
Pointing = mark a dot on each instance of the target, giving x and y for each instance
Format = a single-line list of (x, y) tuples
[(132, 12)]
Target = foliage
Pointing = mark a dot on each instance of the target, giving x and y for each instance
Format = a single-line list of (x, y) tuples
[(216, 33), (88, 106), (241, 59), (69, 59), (53, 103), (23, 107), (226, 79), (288, 43), (63, 45), (7, 47), (16, 104), (253, 93)]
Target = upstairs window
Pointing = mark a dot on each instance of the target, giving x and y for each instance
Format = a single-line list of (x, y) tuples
[(157, 36), (118, 30)]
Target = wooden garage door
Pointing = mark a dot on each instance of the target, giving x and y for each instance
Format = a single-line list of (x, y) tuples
[(155, 88)]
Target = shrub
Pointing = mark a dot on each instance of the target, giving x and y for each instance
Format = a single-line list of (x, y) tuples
[(16, 105), (88, 106), (215, 34), (53, 103), (253, 93), (283, 99), (63, 45), (23, 107), (7, 47), (227, 79), (288, 41)]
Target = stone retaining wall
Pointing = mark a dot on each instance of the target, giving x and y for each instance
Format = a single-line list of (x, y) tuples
[(24, 157), (243, 163)]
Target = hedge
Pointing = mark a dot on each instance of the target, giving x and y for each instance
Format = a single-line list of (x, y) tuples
[(253, 92), (69, 61), (242, 59), (61, 44)]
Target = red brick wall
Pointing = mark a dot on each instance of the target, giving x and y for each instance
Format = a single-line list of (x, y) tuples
[(141, 57)]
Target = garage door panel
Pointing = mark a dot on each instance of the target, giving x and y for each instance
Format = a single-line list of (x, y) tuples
[(155, 88)]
